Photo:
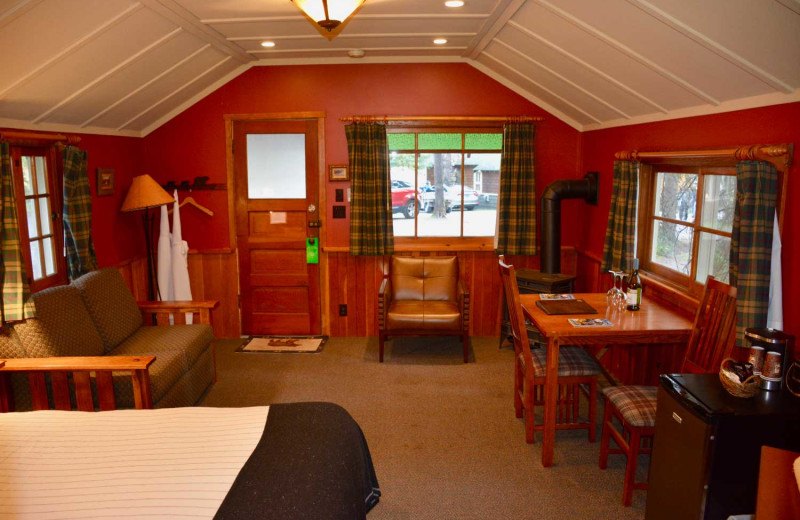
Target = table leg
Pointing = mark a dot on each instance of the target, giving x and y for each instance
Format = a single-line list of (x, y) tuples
[(550, 402)]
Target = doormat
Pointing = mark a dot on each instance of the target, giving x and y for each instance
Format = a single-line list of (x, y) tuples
[(303, 344)]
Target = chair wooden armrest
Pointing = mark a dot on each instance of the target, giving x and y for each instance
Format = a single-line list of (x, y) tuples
[(178, 309), (463, 303), (59, 369), (384, 297)]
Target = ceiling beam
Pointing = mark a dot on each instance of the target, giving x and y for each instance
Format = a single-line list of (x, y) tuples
[(501, 14), (298, 17), (110, 72), (175, 13), (176, 91), (638, 95), (540, 86), (73, 47), (624, 49), (713, 46), (12, 13), (562, 78)]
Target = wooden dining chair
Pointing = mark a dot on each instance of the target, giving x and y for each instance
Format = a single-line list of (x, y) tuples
[(576, 369), (634, 407)]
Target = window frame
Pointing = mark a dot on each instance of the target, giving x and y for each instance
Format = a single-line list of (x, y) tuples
[(647, 219), (55, 194), (458, 243)]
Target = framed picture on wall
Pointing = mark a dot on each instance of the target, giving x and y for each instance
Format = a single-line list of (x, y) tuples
[(338, 172), (105, 181)]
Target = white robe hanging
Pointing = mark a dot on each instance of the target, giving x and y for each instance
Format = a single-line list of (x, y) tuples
[(164, 258), (181, 289), (775, 312)]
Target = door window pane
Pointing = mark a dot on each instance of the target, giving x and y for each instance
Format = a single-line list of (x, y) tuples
[(36, 260), (719, 200), (672, 246), (44, 211), (30, 210), (41, 172), (27, 176), (276, 166), (713, 257), (49, 257), (676, 196)]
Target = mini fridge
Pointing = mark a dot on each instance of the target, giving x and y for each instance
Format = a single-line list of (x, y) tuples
[(707, 446)]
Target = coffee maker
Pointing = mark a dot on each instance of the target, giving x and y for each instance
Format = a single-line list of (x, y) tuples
[(772, 340)]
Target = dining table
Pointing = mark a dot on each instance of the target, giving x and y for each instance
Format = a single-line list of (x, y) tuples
[(654, 322)]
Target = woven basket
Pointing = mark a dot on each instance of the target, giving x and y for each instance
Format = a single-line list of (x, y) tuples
[(730, 381)]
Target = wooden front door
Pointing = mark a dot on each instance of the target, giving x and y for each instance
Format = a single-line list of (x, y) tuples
[(277, 212)]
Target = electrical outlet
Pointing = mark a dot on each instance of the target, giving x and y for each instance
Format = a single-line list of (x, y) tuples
[(342, 309)]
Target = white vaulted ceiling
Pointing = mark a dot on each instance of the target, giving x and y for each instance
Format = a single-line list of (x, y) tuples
[(125, 67)]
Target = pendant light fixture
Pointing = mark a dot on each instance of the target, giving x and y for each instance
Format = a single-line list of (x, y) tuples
[(329, 16)]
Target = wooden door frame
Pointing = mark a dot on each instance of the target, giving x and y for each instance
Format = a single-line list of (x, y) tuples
[(230, 120)]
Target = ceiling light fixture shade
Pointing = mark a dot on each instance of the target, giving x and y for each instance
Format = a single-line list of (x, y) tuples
[(329, 16), (145, 193)]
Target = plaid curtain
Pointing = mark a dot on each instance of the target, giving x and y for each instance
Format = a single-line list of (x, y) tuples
[(751, 243), (516, 203), (77, 214), (371, 231), (17, 304), (620, 245)]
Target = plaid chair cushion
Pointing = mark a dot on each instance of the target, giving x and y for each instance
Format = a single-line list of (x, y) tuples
[(637, 404), (572, 361)]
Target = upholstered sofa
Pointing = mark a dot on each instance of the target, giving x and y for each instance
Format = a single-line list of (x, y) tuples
[(96, 315)]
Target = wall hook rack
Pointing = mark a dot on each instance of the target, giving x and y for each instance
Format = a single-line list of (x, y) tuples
[(199, 183)]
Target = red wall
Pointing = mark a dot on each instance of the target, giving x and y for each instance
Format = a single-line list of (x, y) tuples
[(193, 143), (117, 236), (769, 125)]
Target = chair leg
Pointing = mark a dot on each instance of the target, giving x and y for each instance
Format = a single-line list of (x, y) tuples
[(605, 435), (530, 416), (634, 444), (593, 410), (517, 390), (381, 339)]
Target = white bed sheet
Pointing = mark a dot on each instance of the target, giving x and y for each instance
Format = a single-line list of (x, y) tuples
[(169, 463)]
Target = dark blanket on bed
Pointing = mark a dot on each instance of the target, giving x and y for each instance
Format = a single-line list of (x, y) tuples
[(312, 462)]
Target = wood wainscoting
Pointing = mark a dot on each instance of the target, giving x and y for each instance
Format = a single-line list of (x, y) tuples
[(354, 281), (212, 276)]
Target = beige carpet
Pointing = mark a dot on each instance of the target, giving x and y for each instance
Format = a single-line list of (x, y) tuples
[(443, 435)]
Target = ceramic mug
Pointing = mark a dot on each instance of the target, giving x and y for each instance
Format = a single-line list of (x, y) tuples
[(756, 358), (772, 365)]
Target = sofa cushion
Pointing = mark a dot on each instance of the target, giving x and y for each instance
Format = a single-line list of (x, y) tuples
[(423, 315), (428, 278), (62, 327), (189, 340), (110, 304)]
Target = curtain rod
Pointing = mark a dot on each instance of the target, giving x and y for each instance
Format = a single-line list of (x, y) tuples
[(386, 119), (779, 155), (11, 135)]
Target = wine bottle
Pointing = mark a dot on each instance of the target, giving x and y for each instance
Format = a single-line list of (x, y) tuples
[(634, 293)]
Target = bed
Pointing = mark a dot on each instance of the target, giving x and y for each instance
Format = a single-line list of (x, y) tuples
[(284, 461)]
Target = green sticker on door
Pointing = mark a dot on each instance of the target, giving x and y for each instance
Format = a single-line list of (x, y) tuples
[(312, 251)]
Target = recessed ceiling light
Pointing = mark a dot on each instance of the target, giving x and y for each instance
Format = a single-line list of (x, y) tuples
[(440, 41), (454, 3), (268, 44), (356, 53)]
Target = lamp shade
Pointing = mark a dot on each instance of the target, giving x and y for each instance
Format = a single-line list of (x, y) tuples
[(144, 193), (329, 14)]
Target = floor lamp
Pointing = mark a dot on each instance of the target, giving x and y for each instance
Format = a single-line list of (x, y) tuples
[(145, 193)]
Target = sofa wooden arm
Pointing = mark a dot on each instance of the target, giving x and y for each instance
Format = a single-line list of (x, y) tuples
[(59, 368), (178, 309), (384, 297), (463, 302)]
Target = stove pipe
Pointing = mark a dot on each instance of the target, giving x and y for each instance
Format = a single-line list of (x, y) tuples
[(586, 189)]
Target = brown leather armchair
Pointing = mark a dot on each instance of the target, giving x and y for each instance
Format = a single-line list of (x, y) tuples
[(423, 297)]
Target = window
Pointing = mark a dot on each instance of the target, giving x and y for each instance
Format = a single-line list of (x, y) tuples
[(38, 212), (441, 181), (686, 218)]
